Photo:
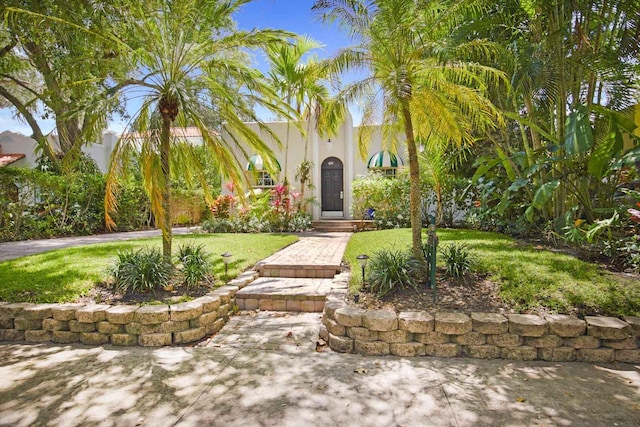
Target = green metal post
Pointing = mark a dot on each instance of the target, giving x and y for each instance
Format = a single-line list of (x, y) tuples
[(432, 244)]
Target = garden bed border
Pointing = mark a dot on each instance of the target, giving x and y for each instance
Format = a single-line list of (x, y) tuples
[(553, 338), (122, 325)]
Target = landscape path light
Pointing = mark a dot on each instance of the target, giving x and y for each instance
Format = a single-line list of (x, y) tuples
[(362, 260), (226, 258)]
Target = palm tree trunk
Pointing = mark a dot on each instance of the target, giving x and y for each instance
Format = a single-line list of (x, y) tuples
[(414, 188), (165, 221)]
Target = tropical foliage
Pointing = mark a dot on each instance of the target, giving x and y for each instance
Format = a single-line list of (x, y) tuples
[(296, 75), (391, 270), (457, 259), (570, 147), (275, 210), (191, 59), (143, 270), (421, 82), (381, 199), (48, 71), (41, 204), (195, 263)]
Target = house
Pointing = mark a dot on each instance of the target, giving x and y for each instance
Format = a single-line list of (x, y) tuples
[(17, 150), (335, 160), (25, 150), (336, 163)]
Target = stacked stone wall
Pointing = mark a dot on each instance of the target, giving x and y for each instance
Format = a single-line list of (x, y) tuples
[(121, 325), (554, 338)]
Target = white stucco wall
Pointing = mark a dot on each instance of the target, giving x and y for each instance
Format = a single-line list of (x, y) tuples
[(101, 152), (343, 146), (16, 143)]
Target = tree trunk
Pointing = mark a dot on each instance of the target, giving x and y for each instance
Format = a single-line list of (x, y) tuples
[(414, 188), (165, 221)]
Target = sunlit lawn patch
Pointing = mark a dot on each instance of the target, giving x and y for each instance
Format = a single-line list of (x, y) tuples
[(529, 276), (66, 274)]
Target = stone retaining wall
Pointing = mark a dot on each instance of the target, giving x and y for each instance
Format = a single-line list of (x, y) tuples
[(124, 325), (555, 338)]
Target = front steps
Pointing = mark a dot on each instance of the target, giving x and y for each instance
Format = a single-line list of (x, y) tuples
[(298, 271), (299, 277), (284, 294), (343, 225)]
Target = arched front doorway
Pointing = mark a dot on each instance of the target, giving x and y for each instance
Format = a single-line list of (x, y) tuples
[(331, 188)]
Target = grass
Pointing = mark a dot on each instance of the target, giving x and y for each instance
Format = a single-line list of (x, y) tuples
[(529, 277), (66, 274)]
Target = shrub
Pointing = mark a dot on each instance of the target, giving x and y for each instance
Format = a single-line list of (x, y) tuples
[(385, 200), (36, 204), (270, 211), (390, 270), (134, 207), (457, 258), (222, 206), (196, 263), (140, 271)]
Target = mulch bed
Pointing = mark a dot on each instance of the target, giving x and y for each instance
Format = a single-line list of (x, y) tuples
[(473, 292), (104, 293)]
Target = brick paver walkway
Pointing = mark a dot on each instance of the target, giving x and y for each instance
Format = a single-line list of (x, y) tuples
[(312, 249), (298, 277), (316, 255)]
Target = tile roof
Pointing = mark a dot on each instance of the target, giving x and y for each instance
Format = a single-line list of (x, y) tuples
[(189, 132), (7, 159)]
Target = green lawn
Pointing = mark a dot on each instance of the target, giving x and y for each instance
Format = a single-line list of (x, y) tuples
[(529, 277), (64, 275)]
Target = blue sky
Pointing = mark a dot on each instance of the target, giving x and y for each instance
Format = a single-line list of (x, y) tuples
[(291, 15)]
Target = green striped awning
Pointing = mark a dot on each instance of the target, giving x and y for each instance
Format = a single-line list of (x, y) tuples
[(256, 163), (384, 159)]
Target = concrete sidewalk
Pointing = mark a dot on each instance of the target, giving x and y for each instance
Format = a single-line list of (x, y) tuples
[(12, 250), (263, 369)]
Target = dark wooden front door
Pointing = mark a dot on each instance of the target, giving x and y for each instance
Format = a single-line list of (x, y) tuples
[(331, 184)]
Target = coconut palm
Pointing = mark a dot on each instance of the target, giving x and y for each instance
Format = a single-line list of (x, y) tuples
[(189, 56), (418, 83)]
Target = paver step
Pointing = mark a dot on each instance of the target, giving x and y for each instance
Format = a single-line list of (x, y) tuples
[(345, 225), (286, 294), (298, 271)]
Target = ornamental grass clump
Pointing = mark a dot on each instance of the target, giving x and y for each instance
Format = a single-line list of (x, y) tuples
[(390, 270), (457, 258), (140, 271), (196, 262)]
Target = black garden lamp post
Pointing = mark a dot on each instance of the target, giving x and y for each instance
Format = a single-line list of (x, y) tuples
[(362, 260), (226, 258)]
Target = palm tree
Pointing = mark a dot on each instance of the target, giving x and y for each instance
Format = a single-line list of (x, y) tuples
[(189, 56), (418, 83), (299, 83)]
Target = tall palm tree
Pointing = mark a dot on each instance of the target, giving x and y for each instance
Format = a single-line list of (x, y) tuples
[(189, 56), (418, 82), (298, 82)]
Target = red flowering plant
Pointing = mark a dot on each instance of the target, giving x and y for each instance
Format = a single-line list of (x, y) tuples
[(281, 206), (224, 203)]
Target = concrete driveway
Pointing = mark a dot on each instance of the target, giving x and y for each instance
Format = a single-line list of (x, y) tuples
[(263, 369), (12, 250)]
